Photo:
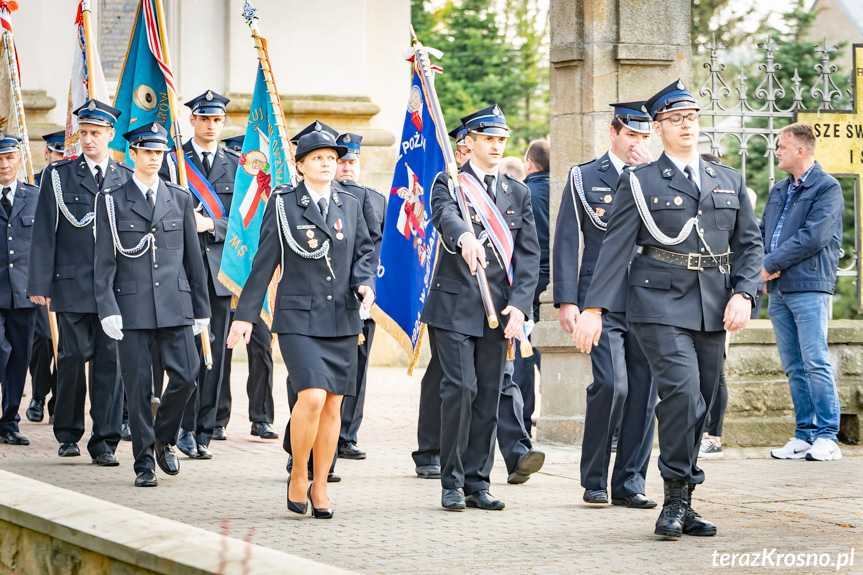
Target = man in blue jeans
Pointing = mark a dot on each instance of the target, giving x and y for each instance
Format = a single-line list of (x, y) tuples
[(802, 231)]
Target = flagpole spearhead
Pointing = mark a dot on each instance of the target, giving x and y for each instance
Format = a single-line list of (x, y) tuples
[(250, 13)]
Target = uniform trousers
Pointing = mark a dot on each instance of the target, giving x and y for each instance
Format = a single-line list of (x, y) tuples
[(429, 420), (622, 393), (259, 385), (16, 341), (181, 362), (83, 340), (470, 392), (352, 406), (526, 367), (686, 365), (513, 439), (200, 412), (43, 375)]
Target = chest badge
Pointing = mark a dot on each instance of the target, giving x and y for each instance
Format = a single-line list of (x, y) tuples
[(678, 200), (310, 234), (607, 199), (313, 243), (338, 226), (600, 212)]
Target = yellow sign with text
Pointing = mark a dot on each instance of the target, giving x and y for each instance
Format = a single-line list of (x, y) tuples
[(839, 149)]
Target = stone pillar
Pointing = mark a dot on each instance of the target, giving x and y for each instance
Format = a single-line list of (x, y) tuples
[(602, 51)]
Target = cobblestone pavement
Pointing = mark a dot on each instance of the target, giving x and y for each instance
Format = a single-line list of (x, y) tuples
[(388, 521)]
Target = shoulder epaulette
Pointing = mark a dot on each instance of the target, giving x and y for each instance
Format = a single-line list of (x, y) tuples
[(232, 152), (283, 189), (178, 188), (515, 180), (62, 162), (125, 166)]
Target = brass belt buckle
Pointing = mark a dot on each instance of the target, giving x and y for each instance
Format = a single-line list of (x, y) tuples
[(693, 257)]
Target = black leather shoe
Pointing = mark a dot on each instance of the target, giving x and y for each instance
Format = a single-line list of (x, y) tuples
[(319, 513), (186, 443), (331, 477), (68, 450), (482, 499), (166, 458), (13, 438), (670, 521), (264, 431), (693, 524), (203, 452), (146, 478), (528, 463), (125, 432), (428, 471), (637, 501), (351, 451), (36, 411), (106, 459), (219, 434), (290, 465), (295, 507), (452, 500), (595, 496)]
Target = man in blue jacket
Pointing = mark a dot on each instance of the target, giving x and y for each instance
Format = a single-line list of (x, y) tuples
[(802, 231)]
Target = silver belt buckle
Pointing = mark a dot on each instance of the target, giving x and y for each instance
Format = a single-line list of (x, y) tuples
[(693, 257)]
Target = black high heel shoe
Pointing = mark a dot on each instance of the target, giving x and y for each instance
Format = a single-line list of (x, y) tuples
[(294, 507), (319, 513)]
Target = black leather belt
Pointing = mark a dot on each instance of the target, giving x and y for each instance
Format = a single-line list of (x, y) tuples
[(689, 261)]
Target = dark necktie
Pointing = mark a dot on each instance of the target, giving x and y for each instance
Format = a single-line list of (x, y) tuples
[(690, 174), (151, 198), (5, 202), (322, 205), (206, 162), (489, 185), (98, 176)]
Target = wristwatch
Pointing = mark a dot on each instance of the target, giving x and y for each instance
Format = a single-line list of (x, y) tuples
[(747, 297)]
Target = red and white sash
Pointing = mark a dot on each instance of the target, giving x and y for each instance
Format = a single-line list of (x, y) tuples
[(491, 219)]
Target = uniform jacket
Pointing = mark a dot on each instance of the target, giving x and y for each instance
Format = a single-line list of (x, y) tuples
[(223, 170), (599, 178), (668, 294), (61, 255), (311, 299), (454, 302), (167, 291), (374, 206), (15, 247), (808, 249)]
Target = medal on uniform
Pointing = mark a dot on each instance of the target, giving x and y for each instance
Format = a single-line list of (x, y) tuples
[(338, 226), (310, 234), (607, 198), (678, 200), (313, 243), (600, 212)]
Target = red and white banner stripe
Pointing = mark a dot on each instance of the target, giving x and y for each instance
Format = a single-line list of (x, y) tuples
[(155, 42)]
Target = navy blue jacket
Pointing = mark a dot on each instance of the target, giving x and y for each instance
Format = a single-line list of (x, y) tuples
[(537, 183), (15, 247), (808, 249)]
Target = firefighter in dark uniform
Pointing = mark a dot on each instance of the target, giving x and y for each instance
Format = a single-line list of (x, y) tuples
[(219, 167), (43, 373), (317, 233), (374, 210), (472, 354), (151, 287), (259, 384), (61, 275), (622, 390), (694, 277), (17, 313)]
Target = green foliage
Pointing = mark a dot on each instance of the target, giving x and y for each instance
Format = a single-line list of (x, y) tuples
[(490, 56)]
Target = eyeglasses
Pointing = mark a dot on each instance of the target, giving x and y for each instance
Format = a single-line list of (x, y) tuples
[(677, 119)]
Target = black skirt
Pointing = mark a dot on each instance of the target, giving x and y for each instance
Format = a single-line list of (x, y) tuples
[(328, 363)]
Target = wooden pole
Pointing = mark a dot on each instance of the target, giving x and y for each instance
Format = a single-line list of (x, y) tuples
[(88, 46), (206, 350)]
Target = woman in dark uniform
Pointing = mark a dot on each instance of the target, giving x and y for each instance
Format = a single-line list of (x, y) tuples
[(317, 234)]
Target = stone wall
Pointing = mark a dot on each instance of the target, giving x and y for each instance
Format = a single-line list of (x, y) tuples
[(46, 530), (760, 411)]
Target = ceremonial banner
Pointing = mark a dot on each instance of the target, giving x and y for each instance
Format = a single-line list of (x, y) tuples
[(263, 166), (79, 83), (142, 94), (11, 102), (410, 242)]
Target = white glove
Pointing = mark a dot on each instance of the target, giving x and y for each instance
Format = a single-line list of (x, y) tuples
[(365, 313), (528, 327), (200, 325), (113, 326)]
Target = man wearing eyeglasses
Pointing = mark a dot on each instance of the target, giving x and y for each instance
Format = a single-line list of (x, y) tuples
[(686, 218)]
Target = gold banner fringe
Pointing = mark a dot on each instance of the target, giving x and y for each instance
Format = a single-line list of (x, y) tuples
[(237, 290), (391, 327)]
